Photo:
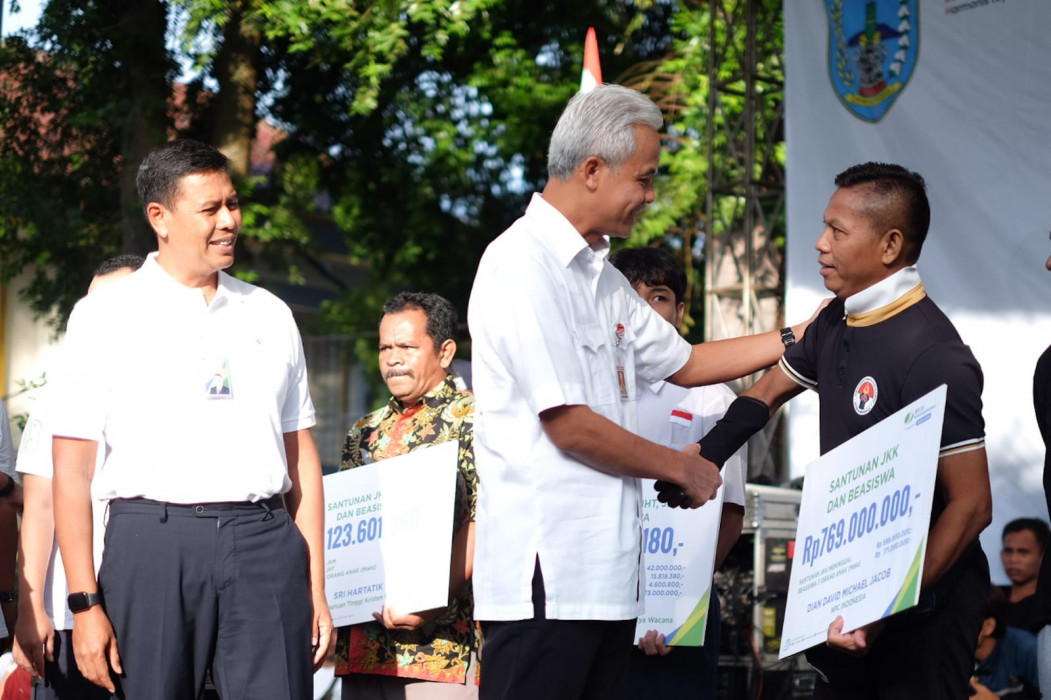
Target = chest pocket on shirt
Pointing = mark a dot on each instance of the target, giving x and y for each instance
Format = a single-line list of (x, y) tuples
[(680, 429), (260, 369), (608, 367), (594, 352)]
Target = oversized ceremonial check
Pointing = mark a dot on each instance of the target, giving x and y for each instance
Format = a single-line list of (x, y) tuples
[(388, 534), (678, 558), (863, 522)]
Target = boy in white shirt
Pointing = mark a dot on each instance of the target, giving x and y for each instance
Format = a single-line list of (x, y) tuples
[(674, 416)]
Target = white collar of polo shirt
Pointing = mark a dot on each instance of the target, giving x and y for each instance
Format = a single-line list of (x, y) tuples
[(225, 292), (883, 292)]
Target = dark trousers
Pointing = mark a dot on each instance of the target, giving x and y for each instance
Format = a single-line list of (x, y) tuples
[(541, 659), (920, 654), (62, 679), (687, 672), (219, 585)]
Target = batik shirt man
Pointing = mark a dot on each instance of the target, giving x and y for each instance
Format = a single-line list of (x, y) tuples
[(441, 649)]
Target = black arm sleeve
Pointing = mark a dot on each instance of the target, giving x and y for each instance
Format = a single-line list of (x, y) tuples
[(744, 418)]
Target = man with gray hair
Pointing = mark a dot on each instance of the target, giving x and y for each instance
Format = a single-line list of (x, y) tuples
[(560, 344)]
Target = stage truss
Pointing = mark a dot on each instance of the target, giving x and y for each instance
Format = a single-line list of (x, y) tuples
[(745, 203)]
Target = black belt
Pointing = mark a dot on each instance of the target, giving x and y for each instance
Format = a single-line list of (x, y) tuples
[(148, 506)]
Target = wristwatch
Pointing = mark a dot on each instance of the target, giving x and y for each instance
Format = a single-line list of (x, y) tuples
[(79, 602), (787, 336)]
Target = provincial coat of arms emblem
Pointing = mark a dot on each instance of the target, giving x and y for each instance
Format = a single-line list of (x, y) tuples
[(872, 50)]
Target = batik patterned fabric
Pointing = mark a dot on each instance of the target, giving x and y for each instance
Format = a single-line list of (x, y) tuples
[(440, 650)]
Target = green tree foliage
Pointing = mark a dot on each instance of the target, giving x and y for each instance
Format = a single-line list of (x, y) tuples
[(416, 130), (705, 153), (88, 95), (420, 170), (417, 127)]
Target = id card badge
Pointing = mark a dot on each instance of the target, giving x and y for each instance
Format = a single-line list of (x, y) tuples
[(218, 385), (620, 359)]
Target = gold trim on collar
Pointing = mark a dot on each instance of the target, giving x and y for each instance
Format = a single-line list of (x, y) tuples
[(871, 318)]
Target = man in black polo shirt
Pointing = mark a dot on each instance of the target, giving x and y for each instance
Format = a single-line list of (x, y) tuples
[(879, 345)]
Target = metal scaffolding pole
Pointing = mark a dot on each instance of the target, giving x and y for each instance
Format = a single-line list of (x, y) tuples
[(744, 253)]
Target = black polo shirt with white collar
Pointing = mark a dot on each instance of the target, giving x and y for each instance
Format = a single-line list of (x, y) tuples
[(868, 357), (871, 363)]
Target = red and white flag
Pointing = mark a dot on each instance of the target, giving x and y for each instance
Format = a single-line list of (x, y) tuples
[(591, 76)]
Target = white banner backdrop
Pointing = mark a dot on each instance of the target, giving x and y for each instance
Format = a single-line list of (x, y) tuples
[(968, 84)]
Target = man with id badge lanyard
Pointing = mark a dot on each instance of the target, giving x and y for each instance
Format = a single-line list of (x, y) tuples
[(561, 344), (197, 384)]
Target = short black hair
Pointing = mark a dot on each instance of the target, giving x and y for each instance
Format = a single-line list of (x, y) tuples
[(164, 167), (996, 608), (906, 191), (652, 267), (1037, 526), (441, 314), (119, 262)]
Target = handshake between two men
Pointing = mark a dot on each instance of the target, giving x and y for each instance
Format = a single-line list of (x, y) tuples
[(744, 417)]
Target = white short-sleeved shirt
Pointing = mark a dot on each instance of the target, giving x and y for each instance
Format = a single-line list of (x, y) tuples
[(674, 416), (34, 458), (192, 399), (551, 322)]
